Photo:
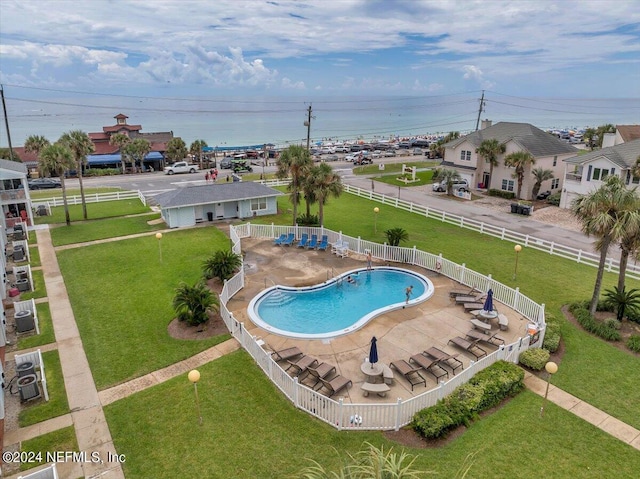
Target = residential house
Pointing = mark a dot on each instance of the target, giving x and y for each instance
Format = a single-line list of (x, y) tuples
[(194, 204), (547, 150), (623, 134), (585, 173)]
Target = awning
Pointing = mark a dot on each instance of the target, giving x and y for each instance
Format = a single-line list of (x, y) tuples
[(116, 160)]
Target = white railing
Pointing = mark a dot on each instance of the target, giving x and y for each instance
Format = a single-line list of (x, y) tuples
[(91, 198), (49, 472), (35, 357), (377, 416), (551, 247)]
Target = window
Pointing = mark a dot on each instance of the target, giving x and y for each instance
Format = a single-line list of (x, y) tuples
[(258, 204), (555, 160), (600, 173), (555, 183), (465, 155), (507, 185)]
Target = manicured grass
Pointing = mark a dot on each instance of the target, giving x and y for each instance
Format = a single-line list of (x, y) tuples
[(259, 433), (34, 255), (423, 177), (121, 296), (104, 228), (57, 405), (46, 335), (61, 440), (391, 168), (107, 209), (39, 291)]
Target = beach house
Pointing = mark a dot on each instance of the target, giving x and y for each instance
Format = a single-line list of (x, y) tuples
[(548, 151)]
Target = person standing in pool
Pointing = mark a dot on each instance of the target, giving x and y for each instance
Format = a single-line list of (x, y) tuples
[(408, 293), (369, 260)]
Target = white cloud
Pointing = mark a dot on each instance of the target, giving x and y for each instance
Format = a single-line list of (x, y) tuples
[(291, 85)]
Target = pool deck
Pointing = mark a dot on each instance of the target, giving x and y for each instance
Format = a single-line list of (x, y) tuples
[(401, 333)]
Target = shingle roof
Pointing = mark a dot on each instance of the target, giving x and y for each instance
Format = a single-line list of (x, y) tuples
[(624, 155), (13, 166), (534, 140), (216, 193), (628, 132)]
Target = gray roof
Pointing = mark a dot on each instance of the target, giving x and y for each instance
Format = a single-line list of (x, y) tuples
[(215, 193), (17, 166), (534, 140), (624, 155)]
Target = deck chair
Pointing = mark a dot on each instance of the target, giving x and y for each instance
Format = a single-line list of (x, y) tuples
[(462, 292), (324, 243), (469, 346), (285, 354), (289, 240), (446, 359), (430, 365), (470, 298), (304, 239), (472, 306), (335, 385), (313, 242), (280, 239), (319, 372), (493, 339), (410, 373), (300, 365)]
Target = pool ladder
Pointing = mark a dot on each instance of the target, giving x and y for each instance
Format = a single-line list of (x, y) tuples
[(272, 282)]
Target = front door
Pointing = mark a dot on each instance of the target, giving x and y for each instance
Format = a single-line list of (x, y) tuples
[(485, 179)]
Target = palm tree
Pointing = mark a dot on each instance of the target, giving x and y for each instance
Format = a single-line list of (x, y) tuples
[(121, 141), (55, 160), (295, 161), (9, 154), (396, 235), (176, 150), (80, 145), (324, 183), (193, 303), (447, 176), (623, 301), (438, 147), (635, 169), (35, 144), (489, 150), (196, 150), (630, 239), (519, 160), (590, 137), (222, 265), (602, 215), (602, 129), (541, 175), (137, 150)]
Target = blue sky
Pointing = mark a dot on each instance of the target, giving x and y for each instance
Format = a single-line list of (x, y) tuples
[(570, 49)]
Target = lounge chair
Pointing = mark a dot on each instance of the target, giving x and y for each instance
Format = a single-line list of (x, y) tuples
[(280, 239), (289, 240), (304, 239), (320, 372), (472, 306), (493, 339), (324, 243), (285, 354), (409, 372), (470, 298), (446, 359), (462, 292), (313, 243), (334, 385), (469, 346), (430, 365), (300, 365)]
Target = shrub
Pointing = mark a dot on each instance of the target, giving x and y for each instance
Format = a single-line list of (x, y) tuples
[(633, 343), (310, 220), (612, 323), (502, 194), (534, 358), (634, 316), (554, 199), (551, 342), (588, 322), (485, 390)]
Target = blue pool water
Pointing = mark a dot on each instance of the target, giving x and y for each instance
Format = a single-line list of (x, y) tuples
[(336, 307)]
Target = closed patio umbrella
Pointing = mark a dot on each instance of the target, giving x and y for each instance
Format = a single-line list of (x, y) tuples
[(373, 352), (488, 304)]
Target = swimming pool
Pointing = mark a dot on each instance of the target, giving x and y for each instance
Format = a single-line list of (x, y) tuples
[(336, 307)]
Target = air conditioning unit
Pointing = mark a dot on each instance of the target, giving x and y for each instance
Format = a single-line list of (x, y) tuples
[(28, 387), (26, 369), (24, 321)]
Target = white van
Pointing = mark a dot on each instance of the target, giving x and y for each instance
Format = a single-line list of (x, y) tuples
[(462, 185)]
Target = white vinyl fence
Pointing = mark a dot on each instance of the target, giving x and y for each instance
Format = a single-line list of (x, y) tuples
[(378, 416), (89, 198)]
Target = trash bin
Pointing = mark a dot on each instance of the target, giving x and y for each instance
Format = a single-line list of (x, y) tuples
[(519, 209), (514, 207), (526, 210), (210, 215)]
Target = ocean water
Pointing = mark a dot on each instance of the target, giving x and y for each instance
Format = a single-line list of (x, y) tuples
[(230, 121)]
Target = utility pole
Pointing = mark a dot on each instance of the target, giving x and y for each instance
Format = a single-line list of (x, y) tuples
[(480, 110), (308, 125), (6, 123)]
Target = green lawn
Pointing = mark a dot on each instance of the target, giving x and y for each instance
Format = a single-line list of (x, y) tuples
[(104, 228), (46, 335), (422, 177), (107, 209), (61, 440), (121, 296), (34, 255), (250, 430), (39, 289)]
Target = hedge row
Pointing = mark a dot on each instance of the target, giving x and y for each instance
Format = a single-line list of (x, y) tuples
[(604, 330), (552, 334), (485, 390), (502, 194), (535, 358), (633, 343)]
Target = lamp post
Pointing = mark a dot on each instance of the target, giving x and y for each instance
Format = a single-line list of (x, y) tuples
[(551, 368), (194, 377), (159, 238), (517, 248), (376, 210)]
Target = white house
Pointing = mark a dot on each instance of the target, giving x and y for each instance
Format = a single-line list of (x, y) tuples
[(194, 204), (547, 150), (584, 173)]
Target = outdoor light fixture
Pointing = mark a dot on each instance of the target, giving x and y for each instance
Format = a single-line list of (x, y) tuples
[(517, 248), (376, 210), (159, 237), (551, 368), (194, 377)]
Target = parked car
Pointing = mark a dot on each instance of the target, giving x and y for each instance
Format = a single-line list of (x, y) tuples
[(363, 160), (342, 149), (225, 163), (241, 166), (180, 167), (331, 158), (376, 154), (461, 185), (417, 152), (44, 183), (350, 157)]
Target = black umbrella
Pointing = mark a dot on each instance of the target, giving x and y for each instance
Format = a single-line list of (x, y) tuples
[(373, 352), (488, 304)]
